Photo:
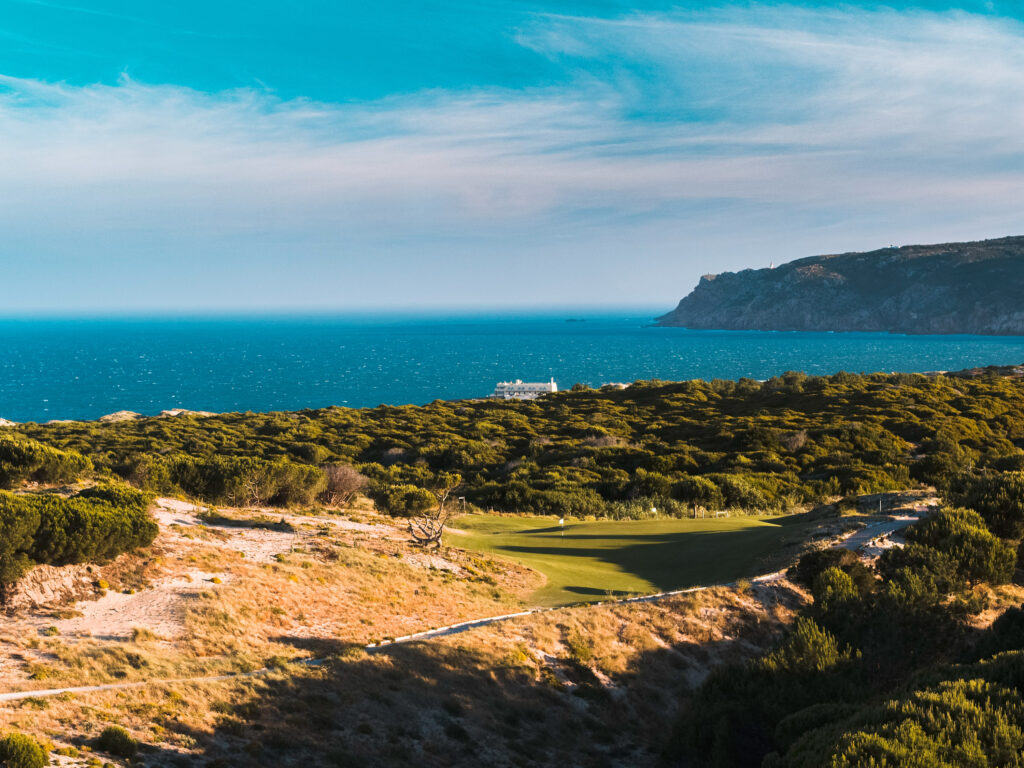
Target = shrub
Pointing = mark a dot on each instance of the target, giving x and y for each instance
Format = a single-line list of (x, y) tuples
[(24, 459), (88, 529), (807, 648), (20, 751), (403, 500), (118, 495), (699, 490), (19, 521), (953, 546), (342, 484), (117, 741), (812, 564), (999, 498), (46, 528), (833, 588)]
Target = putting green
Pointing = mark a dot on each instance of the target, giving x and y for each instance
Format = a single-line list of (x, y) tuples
[(594, 561)]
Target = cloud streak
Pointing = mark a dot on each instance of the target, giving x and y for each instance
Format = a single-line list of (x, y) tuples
[(667, 128)]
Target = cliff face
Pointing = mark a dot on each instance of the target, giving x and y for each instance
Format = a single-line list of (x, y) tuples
[(975, 288)]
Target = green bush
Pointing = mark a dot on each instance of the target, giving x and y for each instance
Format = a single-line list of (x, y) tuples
[(813, 563), (807, 648), (999, 498), (240, 481), (834, 589), (974, 717), (403, 500), (51, 529), (20, 751), (83, 529), (23, 459), (19, 521), (953, 546), (117, 741)]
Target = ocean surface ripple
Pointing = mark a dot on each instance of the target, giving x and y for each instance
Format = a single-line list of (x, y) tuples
[(84, 368)]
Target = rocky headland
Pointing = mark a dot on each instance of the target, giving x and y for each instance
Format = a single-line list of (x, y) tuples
[(971, 288)]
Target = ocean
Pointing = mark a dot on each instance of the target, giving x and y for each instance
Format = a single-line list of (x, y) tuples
[(85, 368)]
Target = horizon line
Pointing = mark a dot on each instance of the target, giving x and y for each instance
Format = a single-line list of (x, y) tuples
[(283, 313)]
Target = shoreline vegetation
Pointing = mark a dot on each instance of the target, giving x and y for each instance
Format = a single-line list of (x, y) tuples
[(653, 449)]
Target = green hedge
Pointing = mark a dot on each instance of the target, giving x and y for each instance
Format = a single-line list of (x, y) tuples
[(93, 526)]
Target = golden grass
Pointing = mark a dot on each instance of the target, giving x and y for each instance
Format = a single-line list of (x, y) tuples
[(554, 688)]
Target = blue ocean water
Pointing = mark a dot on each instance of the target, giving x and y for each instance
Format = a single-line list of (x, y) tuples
[(84, 368)]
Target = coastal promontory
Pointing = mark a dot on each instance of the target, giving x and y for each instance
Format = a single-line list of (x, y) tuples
[(971, 288)]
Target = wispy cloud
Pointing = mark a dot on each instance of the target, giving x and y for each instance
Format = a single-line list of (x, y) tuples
[(880, 124)]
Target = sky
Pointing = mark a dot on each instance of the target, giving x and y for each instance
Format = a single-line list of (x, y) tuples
[(198, 157)]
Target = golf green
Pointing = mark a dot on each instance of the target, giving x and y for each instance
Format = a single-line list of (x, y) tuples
[(586, 561)]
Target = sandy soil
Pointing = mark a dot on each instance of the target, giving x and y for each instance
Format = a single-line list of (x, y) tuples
[(179, 520), (159, 609)]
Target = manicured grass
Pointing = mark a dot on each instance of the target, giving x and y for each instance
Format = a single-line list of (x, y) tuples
[(597, 560)]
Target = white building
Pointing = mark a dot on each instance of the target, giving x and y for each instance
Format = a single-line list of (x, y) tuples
[(523, 390)]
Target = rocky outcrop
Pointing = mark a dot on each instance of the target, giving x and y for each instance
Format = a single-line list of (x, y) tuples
[(973, 288), (120, 416)]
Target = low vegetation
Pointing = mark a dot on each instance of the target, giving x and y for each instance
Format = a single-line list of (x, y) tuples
[(23, 460), (115, 740), (94, 525), (20, 751), (764, 446)]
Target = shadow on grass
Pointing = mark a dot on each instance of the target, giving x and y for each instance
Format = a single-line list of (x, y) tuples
[(592, 591), (668, 561), (262, 522)]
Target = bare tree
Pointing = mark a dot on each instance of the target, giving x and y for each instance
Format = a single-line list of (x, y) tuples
[(343, 483), (427, 527)]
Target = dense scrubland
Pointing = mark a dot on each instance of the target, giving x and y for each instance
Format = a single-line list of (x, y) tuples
[(881, 669), (892, 663), (763, 446)]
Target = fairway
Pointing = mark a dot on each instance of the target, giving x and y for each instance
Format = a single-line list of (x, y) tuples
[(597, 560)]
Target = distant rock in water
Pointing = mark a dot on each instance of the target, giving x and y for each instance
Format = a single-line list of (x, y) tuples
[(974, 288)]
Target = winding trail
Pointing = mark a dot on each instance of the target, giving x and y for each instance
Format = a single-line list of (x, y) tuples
[(853, 542)]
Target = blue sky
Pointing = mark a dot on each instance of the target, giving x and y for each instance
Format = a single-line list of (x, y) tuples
[(195, 156)]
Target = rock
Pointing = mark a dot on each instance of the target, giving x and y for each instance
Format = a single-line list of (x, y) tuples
[(8, 423), (121, 416), (971, 288)]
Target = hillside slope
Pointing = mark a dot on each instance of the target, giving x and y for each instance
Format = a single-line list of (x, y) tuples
[(949, 288)]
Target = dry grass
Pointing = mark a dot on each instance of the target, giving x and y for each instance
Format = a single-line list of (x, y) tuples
[(233, 614), (573, 686)]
